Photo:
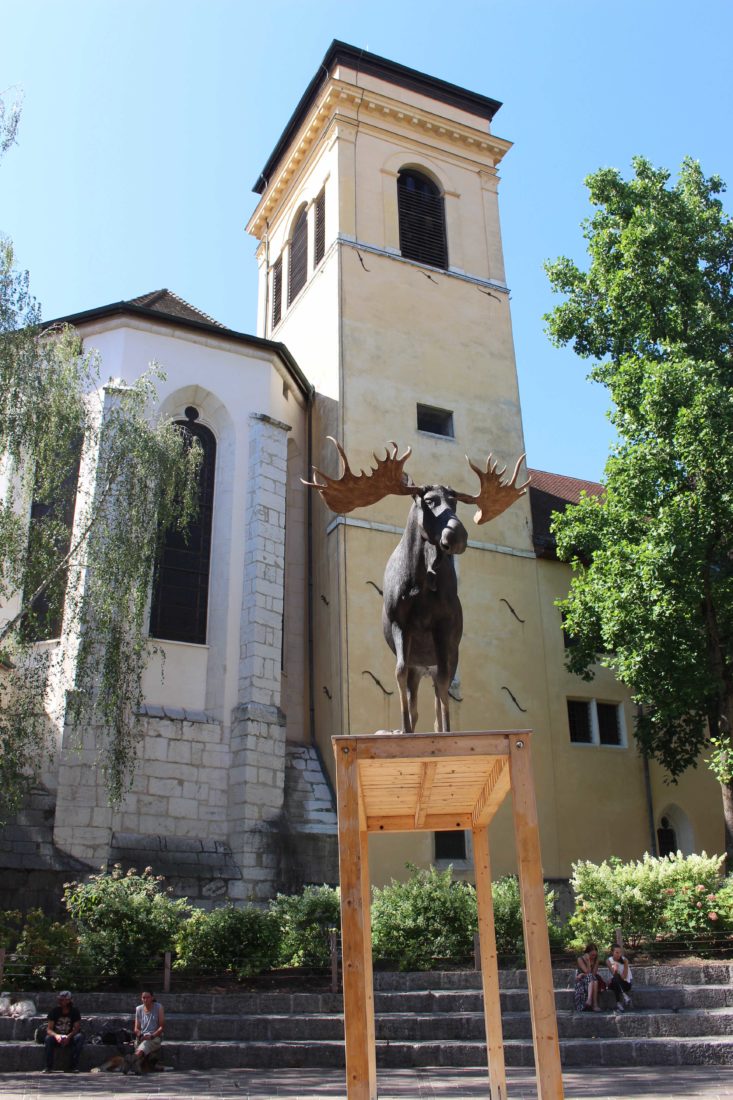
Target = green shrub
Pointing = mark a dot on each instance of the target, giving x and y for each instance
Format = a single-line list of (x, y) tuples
[(244, 941), (676, 898), (305, 921), (42, 953), (125, 920), (428, 917), (508, 918)]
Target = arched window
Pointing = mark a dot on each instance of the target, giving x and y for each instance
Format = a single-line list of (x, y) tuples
[(298, 267), (181, 583), (666, 838), (422, 219)]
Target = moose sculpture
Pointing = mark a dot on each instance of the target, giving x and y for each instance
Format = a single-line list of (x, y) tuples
[(422, 616)]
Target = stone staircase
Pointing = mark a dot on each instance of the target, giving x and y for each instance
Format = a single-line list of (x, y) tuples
[(683, 1015)]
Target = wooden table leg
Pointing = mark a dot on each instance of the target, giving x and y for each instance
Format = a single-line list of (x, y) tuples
[(534, 918), (361, 1081), (489, 964)]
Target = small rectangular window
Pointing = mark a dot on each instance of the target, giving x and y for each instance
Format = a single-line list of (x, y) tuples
[(277, 291), (581, 732), (450, 846), (436, 421), (319, 243), (609, 727)]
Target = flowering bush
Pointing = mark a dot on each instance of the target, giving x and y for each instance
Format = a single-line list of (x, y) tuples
[(676, 898), (508, 918), (125, 920)]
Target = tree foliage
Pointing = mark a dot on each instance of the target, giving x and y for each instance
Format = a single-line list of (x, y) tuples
[(76, 557), (652, 588)]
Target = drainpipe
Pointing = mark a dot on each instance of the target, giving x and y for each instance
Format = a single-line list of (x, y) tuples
[(648, 792)]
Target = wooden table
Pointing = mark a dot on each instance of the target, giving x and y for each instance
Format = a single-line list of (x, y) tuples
[(401, 782)]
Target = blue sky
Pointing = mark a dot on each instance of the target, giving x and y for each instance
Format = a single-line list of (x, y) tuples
[(145, 125)]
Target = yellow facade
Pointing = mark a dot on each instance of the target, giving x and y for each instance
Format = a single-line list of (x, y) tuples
[(377, 334)]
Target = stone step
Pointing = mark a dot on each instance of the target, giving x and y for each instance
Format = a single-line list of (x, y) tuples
[(407, 1026), (601, 1052), (666, 997)]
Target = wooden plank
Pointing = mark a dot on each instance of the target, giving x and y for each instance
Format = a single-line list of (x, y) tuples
[(493, 793), (427, 778), (405, 823), (360, 1080), (489, 964), (420, 746), (362, 806), (366, 895), (534, 919)]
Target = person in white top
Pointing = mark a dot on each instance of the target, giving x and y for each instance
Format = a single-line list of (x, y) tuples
[(149, 1026), (620, 981)]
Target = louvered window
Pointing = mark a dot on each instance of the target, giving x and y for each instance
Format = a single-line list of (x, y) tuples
[(298, 256), (277, 291), (181, 585), (319, 244), (422, 220)]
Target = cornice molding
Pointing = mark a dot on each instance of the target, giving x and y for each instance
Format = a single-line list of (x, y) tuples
[(343, 103)]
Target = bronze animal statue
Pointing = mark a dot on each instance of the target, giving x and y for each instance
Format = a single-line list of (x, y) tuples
[(422, 616)]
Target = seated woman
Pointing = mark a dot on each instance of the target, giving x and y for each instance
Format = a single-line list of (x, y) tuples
[(620, 982), (588, 984), (149, 1025)]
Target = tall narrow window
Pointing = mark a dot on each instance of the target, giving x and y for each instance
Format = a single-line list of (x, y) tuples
[(49, 541), (277, 291), (181, 585), (581, 731), (319, 237), (298, 256), (422, 219)]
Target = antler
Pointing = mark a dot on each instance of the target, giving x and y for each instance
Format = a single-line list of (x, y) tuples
[(349, 490), (495, 495)]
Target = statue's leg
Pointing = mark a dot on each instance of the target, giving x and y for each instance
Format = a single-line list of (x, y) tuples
[(413, 683), (444, 672), (401, 674)]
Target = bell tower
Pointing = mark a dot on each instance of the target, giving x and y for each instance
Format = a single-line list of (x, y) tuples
[(381, 269)]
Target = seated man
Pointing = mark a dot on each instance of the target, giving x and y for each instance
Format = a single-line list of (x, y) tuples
[(620, 981), (149, 1025), (64, 1032)]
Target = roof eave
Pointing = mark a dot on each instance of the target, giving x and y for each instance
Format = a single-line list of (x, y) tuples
[(442, 90)]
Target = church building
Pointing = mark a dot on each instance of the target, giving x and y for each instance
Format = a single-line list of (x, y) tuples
[(383, 317)]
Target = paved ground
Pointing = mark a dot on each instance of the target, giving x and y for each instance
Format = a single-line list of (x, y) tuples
[(659, 1083)]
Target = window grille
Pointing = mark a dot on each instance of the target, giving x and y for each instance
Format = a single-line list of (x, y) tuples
[(319, 243), (181, 584), (450, 846), (277, 291), (422, 220), (609, 731), (298, 268), (579, 721)]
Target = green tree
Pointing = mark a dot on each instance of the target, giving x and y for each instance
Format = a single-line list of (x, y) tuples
[(652, 588), (75, 563)]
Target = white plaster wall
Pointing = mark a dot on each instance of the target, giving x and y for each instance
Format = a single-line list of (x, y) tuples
[(226, 381)]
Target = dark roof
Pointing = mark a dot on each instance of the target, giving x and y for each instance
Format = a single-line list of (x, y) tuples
[(164, 305), (363, 61), (550, 493), (165, 301)]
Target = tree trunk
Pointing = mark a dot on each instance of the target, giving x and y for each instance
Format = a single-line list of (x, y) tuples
[(727, 792)]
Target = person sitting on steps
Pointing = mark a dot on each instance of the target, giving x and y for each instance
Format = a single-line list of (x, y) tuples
[(620, 981), (588, 983), (149, 1026), (64, 1032)]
